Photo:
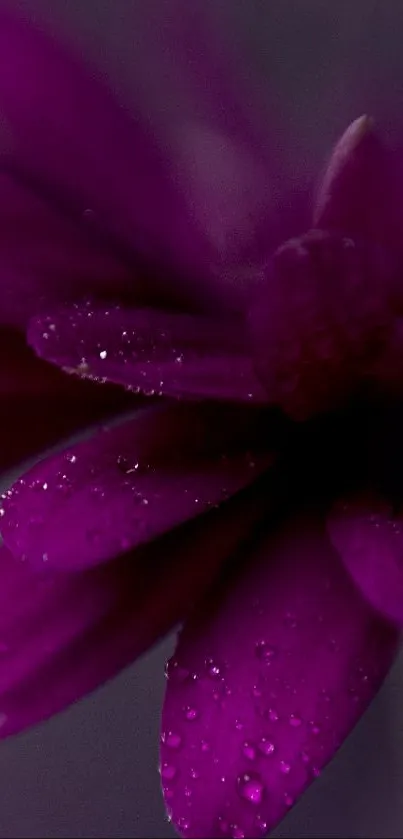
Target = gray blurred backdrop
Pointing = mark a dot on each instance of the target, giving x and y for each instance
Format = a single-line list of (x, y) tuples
[(92, 772)]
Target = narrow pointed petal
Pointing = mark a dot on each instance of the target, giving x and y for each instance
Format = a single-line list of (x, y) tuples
[(151, 352), (281, 666), (368, 537), (361, 190), (128, 485), (62, 635), (46, 258)]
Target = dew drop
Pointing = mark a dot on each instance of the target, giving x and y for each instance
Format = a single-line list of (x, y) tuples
[(174, 672), (314, 728), (249, 751), (265, 747), (172, 740), (205, 746), (264, 652), (250, 787), (273, 715), (289, 801), (191, 713), (236, 832), (305, 757), (168, 772), (194, 774), (214, 670), (223, 825), (184, 824), (188, 792), (315, 771), (285, 768), (261, 824), (239, 725), (103, 354), (71, 458), (295, 721), (256, 692)]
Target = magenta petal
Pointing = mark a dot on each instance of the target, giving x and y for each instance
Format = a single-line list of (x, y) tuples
[(126, 486), (369, 539), (149, 351), (62, 635), (69, 133), (265, 685), (46, 258), (361, 191)]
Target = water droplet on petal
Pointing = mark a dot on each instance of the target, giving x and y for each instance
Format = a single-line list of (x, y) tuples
[(264, 651), (184, 824), (256, 692), (295, 721), (236, 832), (261, 824), (223, 825), (305, 757), (314, 728), (315, 771), (214, 670), (239, 725), (288, 800), (265, 747), (273, 715), (172, 740), (168, 772), (194, 774), (285, 768), (191, 713), (205, 746), (249, 751), (174, 672), (251, 787)]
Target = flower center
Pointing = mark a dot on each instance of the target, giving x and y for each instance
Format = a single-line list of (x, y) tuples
[(323, 323)]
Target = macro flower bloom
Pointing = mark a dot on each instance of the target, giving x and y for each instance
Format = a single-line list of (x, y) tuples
[(256, 500)]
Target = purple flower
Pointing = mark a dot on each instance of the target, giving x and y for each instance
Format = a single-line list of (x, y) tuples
[(261, 509)]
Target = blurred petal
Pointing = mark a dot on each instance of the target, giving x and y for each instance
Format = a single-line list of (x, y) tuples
[(284, 661), (46, 258), (225, 141), (361, 191), (62, 635), (69, 134), (369, 539), (150, 351), (128, 485)]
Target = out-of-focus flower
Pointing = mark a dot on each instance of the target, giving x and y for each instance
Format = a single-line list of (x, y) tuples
[(258, 503)]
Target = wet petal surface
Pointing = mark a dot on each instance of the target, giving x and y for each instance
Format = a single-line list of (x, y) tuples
[(266, 682), (62, 635), (152, 352), (129, 484)]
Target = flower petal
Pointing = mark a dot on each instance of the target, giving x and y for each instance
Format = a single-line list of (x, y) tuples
[(62, 635), (69, 134), (266, 682), (361, 191), (369, 539), (47, 258), (150, 351), (127, 485)]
